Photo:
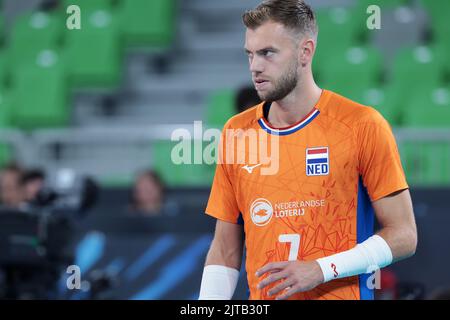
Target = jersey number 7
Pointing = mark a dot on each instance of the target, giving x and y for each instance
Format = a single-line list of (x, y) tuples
[(294, 239)]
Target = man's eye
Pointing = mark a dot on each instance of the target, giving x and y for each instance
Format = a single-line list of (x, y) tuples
[(268, 53)]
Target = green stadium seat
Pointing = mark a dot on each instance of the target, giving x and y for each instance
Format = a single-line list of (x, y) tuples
[(89, 5), (442, 49), (376, 97), (2, 25), (438, 18), (355, 69), (93, 53), (412, 66), (183, 175), (4, 70), (5, 107), (435, 7), (343, 27), (5, 154), (148, 23), (117, 181), (220, 108), (429, 108), (383, 4), (40, 93), (338, 30), (428, 163), (412, 69), (32, 33)]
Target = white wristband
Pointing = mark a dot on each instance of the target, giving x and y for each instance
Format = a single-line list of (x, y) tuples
[(366, 257), (218, 283)]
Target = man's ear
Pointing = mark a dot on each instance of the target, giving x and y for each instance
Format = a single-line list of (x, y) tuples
[(306, 52)]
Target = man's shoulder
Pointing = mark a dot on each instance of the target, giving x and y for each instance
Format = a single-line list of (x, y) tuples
[(244, 119), (350, 112)]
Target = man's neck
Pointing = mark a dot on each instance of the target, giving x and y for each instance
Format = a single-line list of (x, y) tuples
[(294, 107)]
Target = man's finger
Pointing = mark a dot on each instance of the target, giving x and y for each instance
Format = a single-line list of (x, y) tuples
[(271, 266), (287, 294), (282, 286), (272, 278)]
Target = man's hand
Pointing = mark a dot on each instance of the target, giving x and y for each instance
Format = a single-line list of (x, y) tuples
[(298, 276)]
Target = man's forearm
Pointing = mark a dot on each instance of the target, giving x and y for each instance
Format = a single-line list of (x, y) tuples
[(221, 272), (221, 254), (395, 215), (402, 241), (220, 275)]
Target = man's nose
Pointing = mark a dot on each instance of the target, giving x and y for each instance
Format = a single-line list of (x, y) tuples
[(256, 65)]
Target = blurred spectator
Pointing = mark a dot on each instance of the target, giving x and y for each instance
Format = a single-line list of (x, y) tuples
[(32, 182), (148, 194), (246, 97), (11, 194)]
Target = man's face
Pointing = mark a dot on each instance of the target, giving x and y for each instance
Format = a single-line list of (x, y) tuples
[(10, 191), (147, 191), (273, 58), (32, 188)]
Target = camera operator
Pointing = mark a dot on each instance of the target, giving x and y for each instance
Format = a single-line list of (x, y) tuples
[(37, 225), (31, 183)]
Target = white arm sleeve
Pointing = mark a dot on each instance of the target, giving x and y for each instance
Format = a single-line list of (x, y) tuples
[(218, 283), (372, 254)]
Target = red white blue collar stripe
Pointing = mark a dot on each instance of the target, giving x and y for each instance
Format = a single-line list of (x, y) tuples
[(283, 132)]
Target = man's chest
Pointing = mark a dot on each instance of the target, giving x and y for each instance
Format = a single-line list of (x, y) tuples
[(304, 173)]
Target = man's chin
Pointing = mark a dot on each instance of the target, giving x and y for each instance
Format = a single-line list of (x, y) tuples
[(264, 95), (267, 98)]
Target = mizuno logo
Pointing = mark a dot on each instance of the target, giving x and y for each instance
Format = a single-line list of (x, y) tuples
[(250, 169)]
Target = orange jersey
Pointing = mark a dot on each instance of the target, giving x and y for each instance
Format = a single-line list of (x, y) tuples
[(331, 165)]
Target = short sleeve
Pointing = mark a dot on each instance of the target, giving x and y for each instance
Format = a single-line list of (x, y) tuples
[(379, 160), (222, 202)]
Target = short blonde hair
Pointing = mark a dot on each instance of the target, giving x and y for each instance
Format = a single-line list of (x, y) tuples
[(293, 14)]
